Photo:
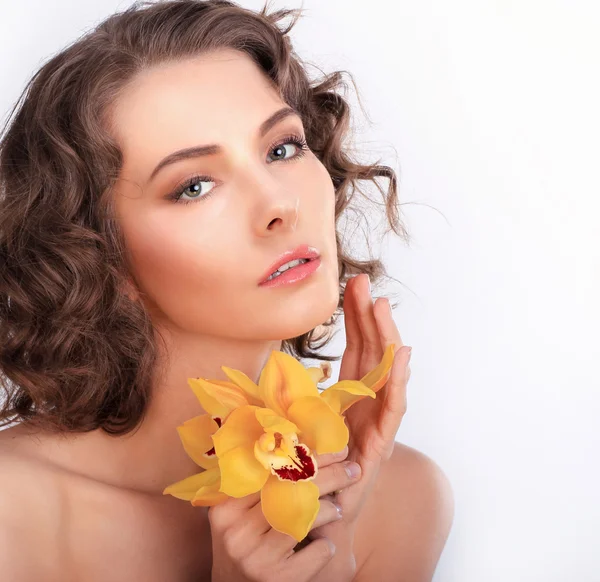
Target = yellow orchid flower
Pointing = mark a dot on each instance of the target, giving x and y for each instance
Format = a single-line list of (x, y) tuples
[(219, 398), (265, 436)]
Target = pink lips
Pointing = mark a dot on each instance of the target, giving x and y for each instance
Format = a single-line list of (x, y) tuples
[(301, 252), (294, 274)]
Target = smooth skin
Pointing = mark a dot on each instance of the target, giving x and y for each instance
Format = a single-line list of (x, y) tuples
[(89, 507)]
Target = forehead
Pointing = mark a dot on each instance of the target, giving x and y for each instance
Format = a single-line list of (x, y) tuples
[(200, 99)]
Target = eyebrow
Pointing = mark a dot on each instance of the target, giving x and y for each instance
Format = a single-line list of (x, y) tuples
[(211, 149)]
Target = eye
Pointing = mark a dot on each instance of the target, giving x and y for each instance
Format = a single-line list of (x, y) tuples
[(281, 148), (192, 185), (197, 193)]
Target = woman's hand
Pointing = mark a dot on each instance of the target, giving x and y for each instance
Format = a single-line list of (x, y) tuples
[(246, 548), (372, 423)]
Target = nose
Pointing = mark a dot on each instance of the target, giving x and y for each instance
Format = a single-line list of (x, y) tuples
[(276, 209), (283, 216)]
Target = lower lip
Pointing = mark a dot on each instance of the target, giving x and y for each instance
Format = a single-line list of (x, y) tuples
[(294, 274)]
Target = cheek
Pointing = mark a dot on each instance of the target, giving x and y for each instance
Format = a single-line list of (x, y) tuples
[(324, 192), (323, 206), (178, 263)]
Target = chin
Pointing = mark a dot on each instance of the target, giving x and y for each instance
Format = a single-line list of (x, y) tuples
[(308, 313)]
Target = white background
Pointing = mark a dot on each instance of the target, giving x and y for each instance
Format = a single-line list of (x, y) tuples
[(488, 111)]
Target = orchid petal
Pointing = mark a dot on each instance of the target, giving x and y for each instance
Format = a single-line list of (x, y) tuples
[(248, 387), (205, 497), (186, 488), (241, 429), (343, 394), (272, 422), (321, 373), (196, 437), (321, 428), (290, 507), (241, 473), (379, 375), (217, 397), (209, 493), (282, 381)]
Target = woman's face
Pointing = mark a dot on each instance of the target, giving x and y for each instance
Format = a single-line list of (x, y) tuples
[(199, 264)]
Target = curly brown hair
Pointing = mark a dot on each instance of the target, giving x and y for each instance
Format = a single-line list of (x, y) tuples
[(76, 352)]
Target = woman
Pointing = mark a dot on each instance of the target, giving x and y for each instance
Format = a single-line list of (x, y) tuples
[(147, 196)]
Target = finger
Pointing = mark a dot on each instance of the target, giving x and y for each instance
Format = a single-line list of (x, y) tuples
[(372, 351), (350, 364), (330, 458), (335, 477), (226, 513), (309, 561), (388, 330), (254, 524), (395, 402), (243, 537)]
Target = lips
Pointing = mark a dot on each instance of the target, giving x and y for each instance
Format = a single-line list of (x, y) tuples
[(300, 252)]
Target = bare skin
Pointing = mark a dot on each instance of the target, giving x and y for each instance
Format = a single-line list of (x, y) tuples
[(61, 526), (89, 507), (76, 522), (85, 529)]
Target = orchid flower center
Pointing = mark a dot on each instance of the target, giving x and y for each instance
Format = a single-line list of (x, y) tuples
[(285, 457)]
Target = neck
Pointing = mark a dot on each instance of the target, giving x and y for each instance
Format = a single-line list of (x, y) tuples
[(152, 457)]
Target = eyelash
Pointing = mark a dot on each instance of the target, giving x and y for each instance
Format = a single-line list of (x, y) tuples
[(175, 196)]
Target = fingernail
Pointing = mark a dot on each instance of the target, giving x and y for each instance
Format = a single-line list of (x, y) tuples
[(353, 469), (409, 354), (369, 280)]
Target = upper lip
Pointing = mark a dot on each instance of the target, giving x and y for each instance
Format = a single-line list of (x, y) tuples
[(300, 252)]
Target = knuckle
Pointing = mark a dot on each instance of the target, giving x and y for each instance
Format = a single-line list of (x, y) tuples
[(400, 410), (231, 545), (251, 572), (371, 350), (322, 461), (215, 518), (353, 347), (327, 459), (331, 480)]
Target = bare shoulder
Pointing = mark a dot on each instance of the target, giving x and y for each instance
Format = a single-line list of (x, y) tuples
[(58, 524), (29, 502), (407, 523), (27, 481)]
